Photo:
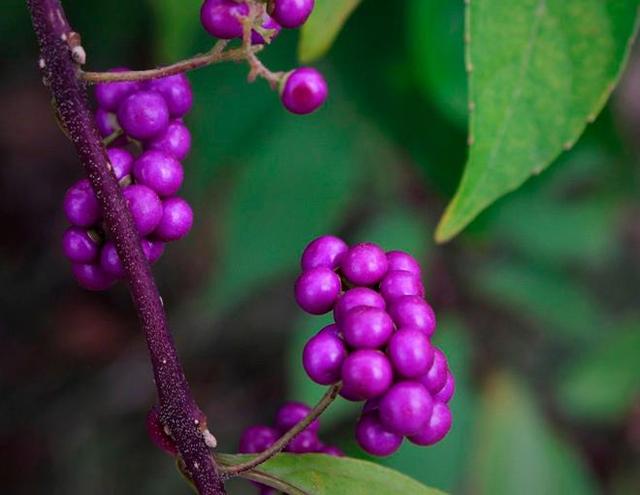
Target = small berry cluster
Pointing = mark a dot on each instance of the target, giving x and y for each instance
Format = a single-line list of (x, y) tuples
[(302, 90), (380, 344), (149, 139)]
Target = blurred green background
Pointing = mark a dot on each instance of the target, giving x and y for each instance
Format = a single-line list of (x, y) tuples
[(537, 300)]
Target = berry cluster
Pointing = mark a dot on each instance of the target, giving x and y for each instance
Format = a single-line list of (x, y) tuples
[(302, 90), (149, 139), (380, 344)]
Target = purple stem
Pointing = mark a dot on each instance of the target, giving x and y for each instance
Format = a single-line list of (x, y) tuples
[(178, 409)]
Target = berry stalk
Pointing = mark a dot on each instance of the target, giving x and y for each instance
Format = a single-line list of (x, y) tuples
[(178, 410)]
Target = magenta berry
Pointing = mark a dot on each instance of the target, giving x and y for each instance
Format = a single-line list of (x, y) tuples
[(143, 115), (406, 408), (176, 220), (437, 428), (331, 450), (80, 204), (358, 296), (304, 442), (292, 13), (110, 261), (304, 91), (109, 95), (291, 413), (175, 141), (176, 92), (410, 352), (326, 251), (78, 246), (398, 283), (157, 434), (257, 439), (413, 311), (220, 18), (323, 356), (374, 439), (158, 171), (92, 276), (399, 260), (268, 23), (366, 328), (145, 207), (317, 290), (153, 249), (446, 392), (121, 162), (436, 377), (106, 122), (364, 264), (366, 374)]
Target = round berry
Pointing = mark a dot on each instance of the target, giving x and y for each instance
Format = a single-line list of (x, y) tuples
[(304, 442), (109, 95), (80, 204), (176, 221), (326, 251), (145, 207), (257, 439), (159, 171), (106, 122), (292, 13), (144, 115), (323, 356), (220, 18), (268, 23), (364, 264), (406, 408), (176, 92), (410, 352), (153, 249), (367, 328), (110, 261), (317, 290), (413, 311), (331, 450), (374, 439), (304, 91), (121, 162), (175, 141), (436, 377), (358, 296), (399, 260), (437, 428), (398, 283), (78, 246), (157, 434), (446, 393), (92, 276), (366, 374), (291, 413)]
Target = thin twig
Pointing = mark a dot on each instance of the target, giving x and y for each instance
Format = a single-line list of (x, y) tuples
[(256, 67)]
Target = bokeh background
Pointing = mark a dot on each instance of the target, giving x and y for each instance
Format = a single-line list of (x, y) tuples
[(537, 301)]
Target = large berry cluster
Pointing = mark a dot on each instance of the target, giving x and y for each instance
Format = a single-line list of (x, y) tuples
[(302, 90), (149, 139), (380, 344)]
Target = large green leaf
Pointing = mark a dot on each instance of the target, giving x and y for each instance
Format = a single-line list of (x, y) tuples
[(319, 474), (538, 72)]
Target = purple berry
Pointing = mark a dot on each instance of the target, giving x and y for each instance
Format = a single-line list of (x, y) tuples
[(292, 13), (176, 220), (366, 374), (257, 439), (367, 328), (106, 122), (156, 432), (326, 251), (399, 260), (317, 290), (145, 207), (176, 92), (92, 276), (331, 450), (414, 312), (80, 204), (153, 249), (144, 115), (323, 356), (445, 394), (436, 377), (109, 95), (121, 162), (78, 246), (291, 413), (175, 141), (358, 296), (110, 261), (374, 439), (371, 405), (406, 408), (268, 23), (159, 171), (304, 91), (398, 283), (364, 264), (437, 428), (303, 443), (410, 352), (220, 18)]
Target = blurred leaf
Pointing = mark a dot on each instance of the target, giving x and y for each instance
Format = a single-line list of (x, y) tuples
[(516, 452), (435, 29), (175, 22), (320, 474), (540, 71), (323, 26), (602, 384)]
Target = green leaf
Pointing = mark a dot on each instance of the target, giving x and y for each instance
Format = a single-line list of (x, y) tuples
[(538, 72), (603, 383), (319, 474), (323, 26), (175, 22)]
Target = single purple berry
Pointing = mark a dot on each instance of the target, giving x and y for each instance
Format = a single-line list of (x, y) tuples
[(256, 439), (175, 141), (323, 356), (145, 207), (80, 204), (366, 328), (292, 13), (446, 393), (268, 23), (437, 428), (326, 250), (109, 95), (121, 162), (144, 115), (364, 264), (303, 443), (110, 261), (176, 220), (366, 374), (414, 312), (106, 122), (78, 246), (92, 276), (406, 408), (410, 352), (331, 450), (374, 439), (317, 290), (159, 171), (436, 377), (358, 296), (291, 413), (176, 92), (156, 432), (398, 283), (152, 249), (220, 18), (304, 90), (399, 260)]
